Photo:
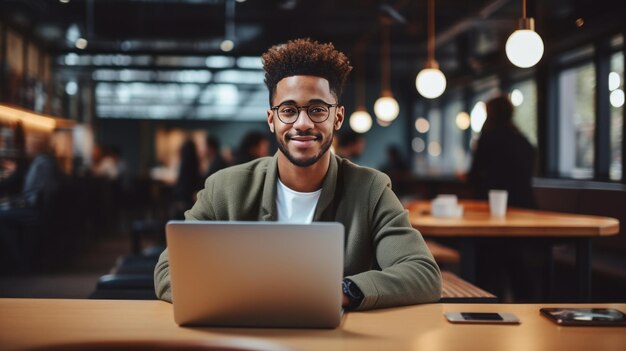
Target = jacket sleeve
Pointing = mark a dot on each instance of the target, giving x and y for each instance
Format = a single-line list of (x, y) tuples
[(408, 273), (201, 210)]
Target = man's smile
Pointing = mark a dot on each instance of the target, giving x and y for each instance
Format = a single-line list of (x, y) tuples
[(303, 141)]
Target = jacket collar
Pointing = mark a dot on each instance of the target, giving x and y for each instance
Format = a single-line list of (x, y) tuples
[(268, 200)]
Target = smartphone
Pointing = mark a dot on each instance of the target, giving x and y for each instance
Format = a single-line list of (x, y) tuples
[(482, 317), (585, 316)]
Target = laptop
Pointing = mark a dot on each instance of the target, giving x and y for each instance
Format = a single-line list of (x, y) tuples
[(256, 274)]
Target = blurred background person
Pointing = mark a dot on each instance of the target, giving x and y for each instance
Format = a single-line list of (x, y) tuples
[(349, 145), (188, 181), (43, 176), (252, 146), (213, 156), (109, 164), (504, 159), (397, 169), (13, 164), (35, 203)]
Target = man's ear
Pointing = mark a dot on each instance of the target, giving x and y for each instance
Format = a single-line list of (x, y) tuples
[(270, 119), (339, 117)]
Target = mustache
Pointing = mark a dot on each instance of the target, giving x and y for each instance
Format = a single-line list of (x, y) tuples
[(304, 133)]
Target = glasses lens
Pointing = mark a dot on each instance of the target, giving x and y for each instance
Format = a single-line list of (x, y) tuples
[(318, 113), (288, 113)]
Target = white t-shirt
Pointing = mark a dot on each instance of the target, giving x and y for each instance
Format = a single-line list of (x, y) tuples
[(294, 206)]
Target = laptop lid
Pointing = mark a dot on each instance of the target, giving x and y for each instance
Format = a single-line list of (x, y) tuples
[(256, 274)]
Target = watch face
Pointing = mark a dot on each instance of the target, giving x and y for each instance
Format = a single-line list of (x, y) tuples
[(345, 288), (352, 290), (354, 294)]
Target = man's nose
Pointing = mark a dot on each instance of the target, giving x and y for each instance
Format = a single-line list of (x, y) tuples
[(303, 122)]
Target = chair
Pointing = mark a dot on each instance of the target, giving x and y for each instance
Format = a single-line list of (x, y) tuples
[(457, 290)]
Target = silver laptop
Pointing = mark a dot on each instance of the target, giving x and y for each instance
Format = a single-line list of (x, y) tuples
[(256, 274)]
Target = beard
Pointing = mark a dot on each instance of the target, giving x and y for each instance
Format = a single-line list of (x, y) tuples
[(304, 162)]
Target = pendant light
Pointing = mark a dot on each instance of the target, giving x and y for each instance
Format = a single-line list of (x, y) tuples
[(430, 81), (360, 120), (386, 107), (524, 47), (228, 44)]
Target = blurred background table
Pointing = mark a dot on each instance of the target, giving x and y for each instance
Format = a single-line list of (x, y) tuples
[(477, 222)]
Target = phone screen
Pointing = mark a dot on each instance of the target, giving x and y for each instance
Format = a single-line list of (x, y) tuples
[(585, 316), (481, 316)]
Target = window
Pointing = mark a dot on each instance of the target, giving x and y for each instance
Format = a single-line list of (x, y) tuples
[(576, 121), (454, 153), (616, 87), (479, 113), (524, 97), (433, 147)]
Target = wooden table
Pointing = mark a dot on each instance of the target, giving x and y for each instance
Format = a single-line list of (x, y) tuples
[(477, 223), (29, 323)]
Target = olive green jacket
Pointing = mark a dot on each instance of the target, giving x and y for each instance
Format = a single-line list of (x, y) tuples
[(384, 256)]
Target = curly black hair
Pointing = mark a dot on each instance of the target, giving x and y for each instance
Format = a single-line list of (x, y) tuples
[(306, 57)]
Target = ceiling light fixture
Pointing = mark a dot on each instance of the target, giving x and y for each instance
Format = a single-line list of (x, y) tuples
[(81, 43), (386, 107), (360, 120), (228, 44), (430, 81), (524, 48)]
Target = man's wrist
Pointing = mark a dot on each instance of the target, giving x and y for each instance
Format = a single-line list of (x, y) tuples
[(353, 293)]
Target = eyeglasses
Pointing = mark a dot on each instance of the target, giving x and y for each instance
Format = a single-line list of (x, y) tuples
[(318, 112)]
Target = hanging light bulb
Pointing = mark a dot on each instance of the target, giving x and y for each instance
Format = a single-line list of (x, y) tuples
[(386, 107), (524, 47), (430, 81), (228, 44), (360, 121)]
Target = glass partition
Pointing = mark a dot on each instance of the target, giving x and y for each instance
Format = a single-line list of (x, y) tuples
[(576, 121)]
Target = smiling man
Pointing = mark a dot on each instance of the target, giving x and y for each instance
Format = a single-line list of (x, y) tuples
[(386, 262)]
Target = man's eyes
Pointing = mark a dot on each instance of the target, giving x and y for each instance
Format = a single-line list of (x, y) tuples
[(311, 109), (289, 110), (317, 109)]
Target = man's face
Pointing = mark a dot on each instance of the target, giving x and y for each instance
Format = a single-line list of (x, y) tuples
[(304, 142)]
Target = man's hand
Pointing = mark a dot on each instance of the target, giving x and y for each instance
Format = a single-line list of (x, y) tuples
[(345, 301)]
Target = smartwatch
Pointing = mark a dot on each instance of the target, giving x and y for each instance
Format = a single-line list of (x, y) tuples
[(352, 291)]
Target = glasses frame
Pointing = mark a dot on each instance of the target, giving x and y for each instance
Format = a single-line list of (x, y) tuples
[(306, 108)]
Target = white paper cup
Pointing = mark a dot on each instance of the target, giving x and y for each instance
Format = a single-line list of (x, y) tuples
[(497, 202)]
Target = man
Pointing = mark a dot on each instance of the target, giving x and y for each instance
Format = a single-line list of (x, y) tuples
[(386, 261)]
